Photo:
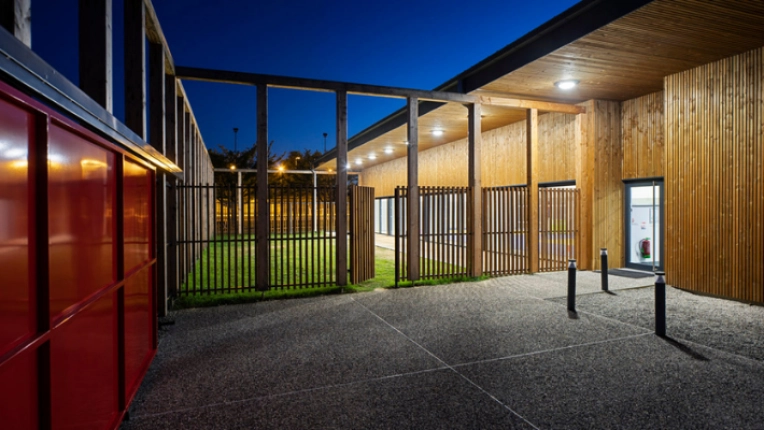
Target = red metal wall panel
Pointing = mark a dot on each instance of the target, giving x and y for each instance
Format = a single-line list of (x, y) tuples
[(94, 315), (18, 395), (138, 327), (84, 368), (81, 181), (137, 195), (17, 318)]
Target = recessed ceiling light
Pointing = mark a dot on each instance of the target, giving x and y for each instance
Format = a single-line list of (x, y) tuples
[(566, 84), (437, 132), (372, 157), (358, 161), (348, 166), (405, 142), (388, 150)]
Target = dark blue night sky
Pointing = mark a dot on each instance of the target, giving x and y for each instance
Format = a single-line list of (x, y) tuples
[(406, 43)]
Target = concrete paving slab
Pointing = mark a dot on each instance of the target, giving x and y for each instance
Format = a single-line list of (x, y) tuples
[(469, 322), (242, 352), (639, 383), (439, 399), (724, 324)]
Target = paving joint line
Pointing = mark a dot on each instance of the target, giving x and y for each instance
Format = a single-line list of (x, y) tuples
[(484, 391), (288, 393), (546, 351)]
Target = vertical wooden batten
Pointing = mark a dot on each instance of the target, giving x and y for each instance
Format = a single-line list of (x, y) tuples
[(412, 208), (474, 172), (157, 133), (96, 51), (262, 270), (135, 67), (643, 143), (342, 187), (532, 170), (16, 17)]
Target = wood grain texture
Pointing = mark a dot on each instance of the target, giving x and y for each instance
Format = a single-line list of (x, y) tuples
[(361, 234), (502, 160), (643, 142), (714, 194)]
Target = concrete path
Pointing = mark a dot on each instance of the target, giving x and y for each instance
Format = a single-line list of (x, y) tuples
[(498, 354)]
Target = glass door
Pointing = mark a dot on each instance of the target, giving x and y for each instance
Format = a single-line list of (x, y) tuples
[(644, 225)]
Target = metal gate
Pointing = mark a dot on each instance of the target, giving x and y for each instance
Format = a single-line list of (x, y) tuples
[(216, 237)]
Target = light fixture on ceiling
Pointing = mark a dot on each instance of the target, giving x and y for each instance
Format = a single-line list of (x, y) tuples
[(437, 132), (388, 150), (567, 84), (358, 161), (372, 156), (348, 166)]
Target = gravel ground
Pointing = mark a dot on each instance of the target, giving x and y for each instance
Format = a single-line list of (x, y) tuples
[(503, 353)]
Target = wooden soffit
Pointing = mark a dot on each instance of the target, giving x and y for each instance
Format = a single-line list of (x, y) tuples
[(621, 60)]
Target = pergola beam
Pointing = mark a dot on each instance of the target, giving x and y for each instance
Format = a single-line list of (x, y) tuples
[(243, 78)]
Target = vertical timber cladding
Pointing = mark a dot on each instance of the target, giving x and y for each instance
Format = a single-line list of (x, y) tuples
[(599, 176), (643, 143), (500, 163), (714, 195)]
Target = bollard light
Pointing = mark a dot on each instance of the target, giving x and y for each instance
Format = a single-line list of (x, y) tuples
[(603, 263), (660, 304), (572, 285)]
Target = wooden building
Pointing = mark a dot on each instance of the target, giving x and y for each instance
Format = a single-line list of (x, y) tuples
[(667, 155)]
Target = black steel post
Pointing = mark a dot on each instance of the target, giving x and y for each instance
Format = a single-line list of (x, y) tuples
[(660, 304), (572, 285), (603, 258)]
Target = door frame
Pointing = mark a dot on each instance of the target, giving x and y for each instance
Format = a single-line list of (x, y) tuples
[(644, 182)]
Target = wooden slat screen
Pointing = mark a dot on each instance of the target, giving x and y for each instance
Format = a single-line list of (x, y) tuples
[(361, 234), (558, 228), (504, 230)]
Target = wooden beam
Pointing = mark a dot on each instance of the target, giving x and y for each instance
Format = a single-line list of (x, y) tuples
[(16, 17), (157, 140), (342, 187), (157, 97), (532, 171), (475, 228), (412, 206), (135, 67), (262, 277), (155, 35), (96, 52), (532, 104), (243, 78), (171, 112)]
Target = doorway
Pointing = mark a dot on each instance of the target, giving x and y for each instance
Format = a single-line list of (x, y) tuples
[(644, 224)]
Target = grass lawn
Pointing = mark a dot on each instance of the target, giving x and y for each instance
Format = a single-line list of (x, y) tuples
[(384, 268)]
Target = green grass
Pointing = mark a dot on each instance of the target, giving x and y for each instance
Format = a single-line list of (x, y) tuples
[(384, 271)]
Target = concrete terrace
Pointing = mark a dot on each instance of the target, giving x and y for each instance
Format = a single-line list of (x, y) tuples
[(502, 353)]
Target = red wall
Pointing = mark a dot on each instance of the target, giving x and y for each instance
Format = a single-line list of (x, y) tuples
[(77, 311)]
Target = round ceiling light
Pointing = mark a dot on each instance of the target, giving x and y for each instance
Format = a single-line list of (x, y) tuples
[(437, 132), (388, 150), (566, 84)]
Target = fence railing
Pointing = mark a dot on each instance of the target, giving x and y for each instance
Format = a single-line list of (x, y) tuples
[(443, 232), (558, 228), (505, 230), (216, 240)]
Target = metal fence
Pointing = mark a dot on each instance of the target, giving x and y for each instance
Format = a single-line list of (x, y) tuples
[(443, 235), (216, 240), (558, 228), (505, 230)]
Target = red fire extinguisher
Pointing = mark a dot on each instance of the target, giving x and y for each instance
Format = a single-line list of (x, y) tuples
[(643, 248)]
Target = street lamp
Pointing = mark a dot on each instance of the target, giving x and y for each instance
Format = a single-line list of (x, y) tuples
[(325, 134), (235, 131)]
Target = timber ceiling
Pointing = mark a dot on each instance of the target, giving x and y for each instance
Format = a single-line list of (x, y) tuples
[(622, 60)]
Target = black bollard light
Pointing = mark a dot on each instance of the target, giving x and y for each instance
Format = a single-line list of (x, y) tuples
[(603, 263), (660, 304), (572, 285)]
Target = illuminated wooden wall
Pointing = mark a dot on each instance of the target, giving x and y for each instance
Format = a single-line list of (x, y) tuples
[(643, 142), (714, 157), (502, 161)]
